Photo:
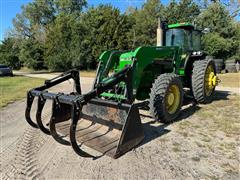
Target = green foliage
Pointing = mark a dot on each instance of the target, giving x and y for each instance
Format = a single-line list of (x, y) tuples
[(9, 53), (64, 43), (145, 22), (218, 20), (224, 38), (182, 11), (107, 29), (70, 6), (216, 45), (31, 54), (47, 25), (59, 35)]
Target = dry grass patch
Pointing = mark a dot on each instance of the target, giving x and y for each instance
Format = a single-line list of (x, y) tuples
[(176, 147), (88, 73), (230, 80), (222, 115)]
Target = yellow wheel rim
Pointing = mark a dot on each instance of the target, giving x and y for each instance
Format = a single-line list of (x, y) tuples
[(210, 80), (172, 99)]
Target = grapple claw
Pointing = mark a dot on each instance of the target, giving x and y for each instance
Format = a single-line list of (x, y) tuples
[(30, 99), (60, 113), (75, 117), (41, 103)]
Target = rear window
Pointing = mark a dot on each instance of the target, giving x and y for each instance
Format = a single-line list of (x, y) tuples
[(3, 66)]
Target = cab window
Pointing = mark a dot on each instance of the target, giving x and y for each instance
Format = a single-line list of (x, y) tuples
[(196, 40), (178, 37)]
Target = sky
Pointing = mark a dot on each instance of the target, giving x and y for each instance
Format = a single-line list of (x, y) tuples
[(9, 9)]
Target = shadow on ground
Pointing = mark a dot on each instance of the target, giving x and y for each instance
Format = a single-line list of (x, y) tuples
[(153, 130)]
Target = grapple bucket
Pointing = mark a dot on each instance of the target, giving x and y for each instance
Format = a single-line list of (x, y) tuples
[(107, 127)]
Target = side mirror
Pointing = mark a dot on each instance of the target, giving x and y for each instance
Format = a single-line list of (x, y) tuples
[(206, 30)]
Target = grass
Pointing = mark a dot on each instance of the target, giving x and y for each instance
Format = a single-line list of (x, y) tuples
[(15, 88), (230, 80)]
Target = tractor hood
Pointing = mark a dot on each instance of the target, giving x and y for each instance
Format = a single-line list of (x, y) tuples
[(148, 52)]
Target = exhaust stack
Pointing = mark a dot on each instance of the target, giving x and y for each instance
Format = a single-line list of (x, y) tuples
[(159, 34)]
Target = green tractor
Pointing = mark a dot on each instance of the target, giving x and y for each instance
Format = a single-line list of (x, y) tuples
[(150, 77)]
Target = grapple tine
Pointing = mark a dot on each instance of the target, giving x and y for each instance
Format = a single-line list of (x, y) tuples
[(76, 113), (30, 99), (57, 111), (41, 103)]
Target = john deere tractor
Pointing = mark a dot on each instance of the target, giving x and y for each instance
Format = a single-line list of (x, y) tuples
[(107, 117)]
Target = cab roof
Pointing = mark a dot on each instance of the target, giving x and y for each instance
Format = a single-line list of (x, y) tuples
[(181, 25)]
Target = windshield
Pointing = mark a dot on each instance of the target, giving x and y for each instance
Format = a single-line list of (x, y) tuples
[(178, 37)]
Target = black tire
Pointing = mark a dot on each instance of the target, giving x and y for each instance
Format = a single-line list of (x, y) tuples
[(230, 65), (158, 97), (198, 80), (219, 65), (209, 57)]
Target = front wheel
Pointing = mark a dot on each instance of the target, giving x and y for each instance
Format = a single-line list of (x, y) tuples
[(166, 98)]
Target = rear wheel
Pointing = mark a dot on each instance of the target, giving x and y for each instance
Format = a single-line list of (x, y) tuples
[(166, 98), (204, 80)]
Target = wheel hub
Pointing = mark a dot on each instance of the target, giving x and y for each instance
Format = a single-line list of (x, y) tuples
[(211, 80), (173, 99), (170, 99)]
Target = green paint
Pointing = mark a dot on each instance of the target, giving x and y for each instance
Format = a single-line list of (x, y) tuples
[(181, 72), (111, 95), (179, 25)]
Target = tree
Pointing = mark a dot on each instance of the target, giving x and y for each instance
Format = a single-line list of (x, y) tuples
[(107, 29), (217, 19), (223, 39), (216, 45), (182, 11), (31, 54), (40, 19), (30, 31), (145, 22), (9, 53), (70, 6), (64, 43)]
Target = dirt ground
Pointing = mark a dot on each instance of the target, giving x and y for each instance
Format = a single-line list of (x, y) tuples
[(204, 143)]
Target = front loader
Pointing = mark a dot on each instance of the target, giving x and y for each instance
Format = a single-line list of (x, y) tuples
[(107, 117)]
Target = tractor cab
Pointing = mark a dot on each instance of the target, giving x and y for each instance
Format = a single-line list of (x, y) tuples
[(183, 35)]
